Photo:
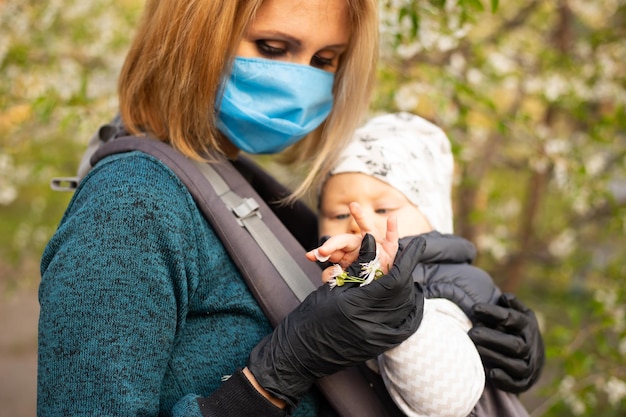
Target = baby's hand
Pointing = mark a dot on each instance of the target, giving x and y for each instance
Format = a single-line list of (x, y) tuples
[(387, 240), (343, 249), (339, 249)]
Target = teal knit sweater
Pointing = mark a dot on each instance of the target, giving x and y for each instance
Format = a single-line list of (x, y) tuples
[(142, 309)]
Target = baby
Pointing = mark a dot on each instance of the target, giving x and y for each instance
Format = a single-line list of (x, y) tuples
[(395, 180)]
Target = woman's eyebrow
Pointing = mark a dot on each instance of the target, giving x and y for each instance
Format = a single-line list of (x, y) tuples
[(292, 39), (278, 34)]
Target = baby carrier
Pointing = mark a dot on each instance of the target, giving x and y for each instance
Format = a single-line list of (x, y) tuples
[(266, 241)]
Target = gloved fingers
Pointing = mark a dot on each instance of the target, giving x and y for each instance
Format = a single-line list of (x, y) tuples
[(495, 316), (510, 300), (393, 300), (500, 379), (400, 277), (510, 345), (367, 253), (515, 368)]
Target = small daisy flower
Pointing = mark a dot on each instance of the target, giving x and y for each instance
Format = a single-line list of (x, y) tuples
[(370, 271)]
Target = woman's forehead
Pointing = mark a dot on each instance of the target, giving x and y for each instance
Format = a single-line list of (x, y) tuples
[(321, 21)]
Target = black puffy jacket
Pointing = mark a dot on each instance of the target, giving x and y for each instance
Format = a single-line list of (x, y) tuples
[(446, 272)]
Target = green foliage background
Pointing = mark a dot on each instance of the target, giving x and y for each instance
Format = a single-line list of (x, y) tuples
[(532, 94)]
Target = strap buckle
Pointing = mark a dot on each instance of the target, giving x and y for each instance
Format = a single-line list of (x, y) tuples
[(64, 183), (246, 209)]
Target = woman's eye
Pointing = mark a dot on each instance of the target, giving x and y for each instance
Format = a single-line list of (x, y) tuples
[(321, 62), (382, 211), (342, 216), (269, 50)]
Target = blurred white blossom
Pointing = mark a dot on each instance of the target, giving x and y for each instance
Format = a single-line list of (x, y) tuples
[(594, 13), (407, 96), (492, 245), (564, 244), (615, 390), (555, 86), (8, 191), (607, 298)]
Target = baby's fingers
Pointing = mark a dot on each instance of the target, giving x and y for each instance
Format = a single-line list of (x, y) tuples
[(363, 222), (336, 248)]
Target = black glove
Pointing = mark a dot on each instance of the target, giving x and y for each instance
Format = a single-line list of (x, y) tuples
[(335, 329), (509, 342)]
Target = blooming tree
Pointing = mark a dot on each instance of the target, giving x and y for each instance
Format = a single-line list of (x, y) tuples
[(532, 94)]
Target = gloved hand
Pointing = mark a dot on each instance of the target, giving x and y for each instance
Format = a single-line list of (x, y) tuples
[(509, 342), (367, 253), (335, 329)]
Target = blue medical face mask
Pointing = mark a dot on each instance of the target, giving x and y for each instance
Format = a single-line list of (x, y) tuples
[(268, 105)]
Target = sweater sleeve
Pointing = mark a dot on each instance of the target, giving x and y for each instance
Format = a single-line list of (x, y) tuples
[(116, 282)]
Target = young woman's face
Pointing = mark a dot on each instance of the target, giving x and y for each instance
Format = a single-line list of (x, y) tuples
[(378, 201), (308, 32)]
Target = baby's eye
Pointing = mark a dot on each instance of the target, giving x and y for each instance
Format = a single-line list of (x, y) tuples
[(270, 49), (383, 211), (342, 216)]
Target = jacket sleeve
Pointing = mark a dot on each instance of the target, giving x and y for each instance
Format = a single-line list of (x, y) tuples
[(446, 272)]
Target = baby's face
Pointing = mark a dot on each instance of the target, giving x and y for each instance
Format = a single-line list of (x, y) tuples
[(378, 201)]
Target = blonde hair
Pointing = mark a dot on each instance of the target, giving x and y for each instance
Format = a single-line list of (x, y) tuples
[(183, 50)]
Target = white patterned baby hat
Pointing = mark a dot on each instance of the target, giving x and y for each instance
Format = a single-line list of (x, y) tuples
[(412, 155)]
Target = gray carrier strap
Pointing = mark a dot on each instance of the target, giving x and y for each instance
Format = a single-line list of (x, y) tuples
[(246, 210), (289, 263), (348, 391)]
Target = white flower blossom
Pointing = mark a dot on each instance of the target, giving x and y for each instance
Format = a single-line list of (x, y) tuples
[(407, 97), (533, 85), (501, 63), (475, 76), (555, 87), (567, 384), (369, 270), (595, 164), (557, 146), (408, 51), (564, 244), (615, 390), (447, 43), (335, 272), (457, 63), (491, 244), (566, 389), (607, 298)]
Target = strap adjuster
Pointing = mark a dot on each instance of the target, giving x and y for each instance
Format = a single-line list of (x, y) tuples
[(64, 183), (246, 209)]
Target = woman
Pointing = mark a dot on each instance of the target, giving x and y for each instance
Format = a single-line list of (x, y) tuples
[(142, 310)]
